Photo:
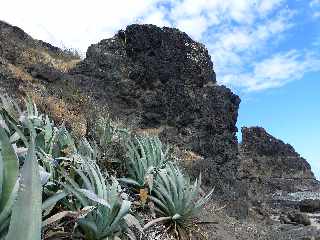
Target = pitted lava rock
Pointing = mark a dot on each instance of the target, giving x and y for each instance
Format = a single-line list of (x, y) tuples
[(167, 79)]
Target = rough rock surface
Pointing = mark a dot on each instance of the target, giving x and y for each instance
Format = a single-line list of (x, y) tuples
[(268, 165), (166, 80), (310, 205)]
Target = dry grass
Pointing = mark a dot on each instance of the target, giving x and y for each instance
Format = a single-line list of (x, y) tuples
[(191, 156), (33, 56), (18, 73), (148, 131), (62, 112)]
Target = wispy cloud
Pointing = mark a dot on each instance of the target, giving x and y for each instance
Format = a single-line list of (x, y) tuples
[(241, 35), (275, 71), (315, 6)]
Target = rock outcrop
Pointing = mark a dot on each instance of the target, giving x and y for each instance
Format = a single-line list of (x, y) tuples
[(158, 78), (268, 165), (166, 80)]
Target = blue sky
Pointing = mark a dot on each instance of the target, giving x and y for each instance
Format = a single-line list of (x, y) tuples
[(266, 51)]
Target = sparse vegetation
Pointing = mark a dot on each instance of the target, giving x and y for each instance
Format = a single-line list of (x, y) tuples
[(64, 193)]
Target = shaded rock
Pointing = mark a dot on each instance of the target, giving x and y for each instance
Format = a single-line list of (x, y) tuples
[(268, 165), (300, 218), (310, 205), (45, 72)]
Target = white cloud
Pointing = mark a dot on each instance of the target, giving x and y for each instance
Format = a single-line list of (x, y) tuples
[(195, 26), (315, 7), (314, 3), (238, 33), (275, 71)]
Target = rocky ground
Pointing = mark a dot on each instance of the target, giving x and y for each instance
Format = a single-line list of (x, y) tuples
[(160, 81)]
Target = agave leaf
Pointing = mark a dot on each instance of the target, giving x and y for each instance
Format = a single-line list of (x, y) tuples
[(10, 107), (133, 221), (18, 131), (10, 167), (92, 196), (1, 174), (57, 217), (85, 179), (124, 210), (6, 211), (4, 228), (26, 214), (52, 200), (129, 181)]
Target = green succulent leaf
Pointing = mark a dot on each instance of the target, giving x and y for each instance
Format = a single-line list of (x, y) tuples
[(9, 166), (26, 214)]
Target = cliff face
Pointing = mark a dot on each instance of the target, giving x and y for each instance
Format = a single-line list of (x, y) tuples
[(269, 165)]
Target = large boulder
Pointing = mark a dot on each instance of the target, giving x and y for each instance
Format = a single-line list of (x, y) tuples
[(163, 79)]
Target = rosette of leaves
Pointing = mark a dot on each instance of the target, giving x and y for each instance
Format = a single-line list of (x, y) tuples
[(145, 157), (109, 218), (175, 197)]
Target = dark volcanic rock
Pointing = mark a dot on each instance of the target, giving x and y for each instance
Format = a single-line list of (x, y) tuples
[(310, 205), (149, 76), (269, 165), (164, 78), (299, 218)]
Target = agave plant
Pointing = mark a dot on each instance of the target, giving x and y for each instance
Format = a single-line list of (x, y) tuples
[(25, 222), (23, 135), (106, 131), (176, 199), (145, 157), (90, 188)]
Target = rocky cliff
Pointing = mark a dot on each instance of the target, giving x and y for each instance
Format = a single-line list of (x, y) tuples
[(268, 165), (154, 78), (165, 80), (158, 78)]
